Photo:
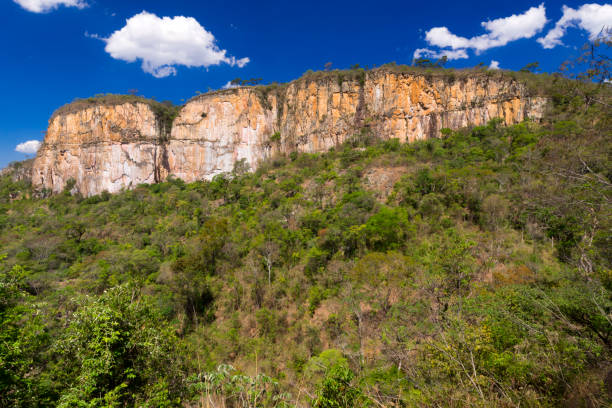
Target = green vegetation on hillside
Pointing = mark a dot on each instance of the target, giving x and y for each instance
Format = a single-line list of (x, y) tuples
[(471, 270)]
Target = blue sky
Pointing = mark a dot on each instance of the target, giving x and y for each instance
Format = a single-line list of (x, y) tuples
[(56, 50)]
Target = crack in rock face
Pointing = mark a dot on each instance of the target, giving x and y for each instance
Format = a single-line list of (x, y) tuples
[(111, 147)]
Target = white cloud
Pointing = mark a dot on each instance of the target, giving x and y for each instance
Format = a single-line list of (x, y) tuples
[(589, 17), (43, 6), (163, 43), (500, 32), (29, 147), (241, 62), (494, 64), (229, 85), (442, 37), (158, 72), (450, 54), (94, 36)]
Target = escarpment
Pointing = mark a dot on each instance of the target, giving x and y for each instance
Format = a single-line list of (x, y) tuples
[(100, 148), (110, 147)]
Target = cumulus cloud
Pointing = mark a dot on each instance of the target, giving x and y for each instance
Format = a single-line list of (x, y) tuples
[(29, 147), (494, 64), (450, 54), (43, 6), (592, 18), (163, 43), (442, 37), (500, 32)]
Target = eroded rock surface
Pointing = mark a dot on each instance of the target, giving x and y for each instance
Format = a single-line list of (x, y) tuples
[(115, 147), (101, 148)]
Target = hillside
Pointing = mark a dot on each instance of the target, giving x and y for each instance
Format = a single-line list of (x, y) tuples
[(473, 269)]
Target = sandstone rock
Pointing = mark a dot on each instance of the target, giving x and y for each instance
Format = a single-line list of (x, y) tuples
[(115, 147), (101, 148), (18, 171)]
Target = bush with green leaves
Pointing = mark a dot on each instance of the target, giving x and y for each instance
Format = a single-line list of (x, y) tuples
[(227, 387), (21, 339), (118, 351), (338, 390)]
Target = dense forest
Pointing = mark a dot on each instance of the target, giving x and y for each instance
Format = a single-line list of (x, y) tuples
[(470, 270)]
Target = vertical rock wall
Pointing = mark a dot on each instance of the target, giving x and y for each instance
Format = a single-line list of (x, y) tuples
[(114, 147), (213, 131), (101, 148)]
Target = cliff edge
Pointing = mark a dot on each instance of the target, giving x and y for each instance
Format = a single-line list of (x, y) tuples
[(118, 145)]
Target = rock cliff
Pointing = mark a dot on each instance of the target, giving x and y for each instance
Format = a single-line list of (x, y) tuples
[(109, 147), (18, 171), (105, 147)]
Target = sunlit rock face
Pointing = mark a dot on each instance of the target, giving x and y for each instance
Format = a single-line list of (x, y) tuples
[(319, 115), (115, 147), (101, 148), (214, 131)]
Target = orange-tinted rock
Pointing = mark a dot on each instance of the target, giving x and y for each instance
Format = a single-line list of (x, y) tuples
[(101, 148), (109, 148)]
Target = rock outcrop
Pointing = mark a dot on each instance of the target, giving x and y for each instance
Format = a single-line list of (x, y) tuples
[(105, 147), (18, 171), (118, 146)]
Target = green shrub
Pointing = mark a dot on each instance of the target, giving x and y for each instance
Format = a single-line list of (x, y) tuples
[(387, 229), (275, 137), (116, 351), (338, 391), (316, 259)]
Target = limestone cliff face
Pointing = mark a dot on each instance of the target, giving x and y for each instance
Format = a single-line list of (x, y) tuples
[(214, 131), (317, 116), (101, 148), (112, 147)]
